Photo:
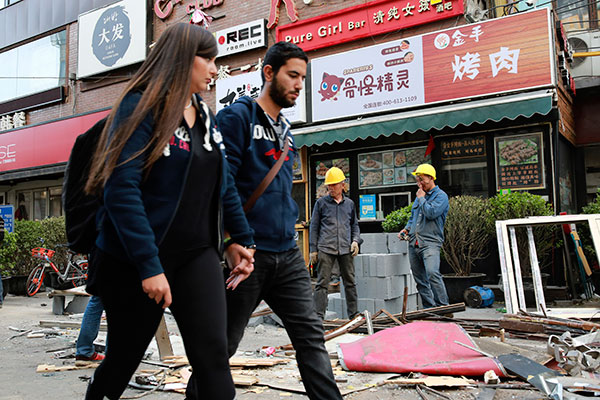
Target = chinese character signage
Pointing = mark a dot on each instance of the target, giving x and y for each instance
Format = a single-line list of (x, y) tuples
[(494, 56), (12, 121), (367, 206), (111, 37), (381, 77), (369, 19), (239, 38), (8, 215), (321, 168), (519, 162), (390, 168), (463, 148), (249, 84), (45, 144)]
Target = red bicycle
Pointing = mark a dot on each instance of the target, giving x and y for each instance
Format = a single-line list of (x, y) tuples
[(74, 272)]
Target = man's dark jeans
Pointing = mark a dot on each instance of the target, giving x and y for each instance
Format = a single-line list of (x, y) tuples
[(326, 262), (282, 280)]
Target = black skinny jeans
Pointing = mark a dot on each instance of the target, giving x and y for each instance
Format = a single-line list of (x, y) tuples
[(198, 307), (282, 280)]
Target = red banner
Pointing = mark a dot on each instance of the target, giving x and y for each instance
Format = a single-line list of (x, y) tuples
[(45, 144), (498, 55), (370, 19)]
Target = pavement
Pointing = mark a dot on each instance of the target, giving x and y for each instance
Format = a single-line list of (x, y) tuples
[(20, 356)]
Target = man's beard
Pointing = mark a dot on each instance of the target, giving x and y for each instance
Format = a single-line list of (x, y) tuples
[(277, 93)]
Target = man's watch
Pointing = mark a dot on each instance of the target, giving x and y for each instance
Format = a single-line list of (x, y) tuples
[(250, 247)]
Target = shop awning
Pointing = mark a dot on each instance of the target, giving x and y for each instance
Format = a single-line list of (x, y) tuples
[(467, 113)]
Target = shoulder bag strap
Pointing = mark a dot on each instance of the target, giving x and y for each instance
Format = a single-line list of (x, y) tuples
[(268, 178)]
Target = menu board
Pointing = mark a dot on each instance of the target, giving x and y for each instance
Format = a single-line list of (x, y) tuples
[(321, 168), (463, 148), (519, 162), (391, 167)]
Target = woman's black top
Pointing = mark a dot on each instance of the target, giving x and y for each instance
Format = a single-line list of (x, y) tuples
[(194, 226)]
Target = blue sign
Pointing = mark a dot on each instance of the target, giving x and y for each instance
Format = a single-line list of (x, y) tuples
[(112, 36), (8, 215), (367, 206)]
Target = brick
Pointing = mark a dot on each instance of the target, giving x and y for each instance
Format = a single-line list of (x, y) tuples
[(361, 286), (366, 304), (374, 243), (358, 266), (395, 245)]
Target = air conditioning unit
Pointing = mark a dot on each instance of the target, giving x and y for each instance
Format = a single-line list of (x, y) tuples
[(585, 70)]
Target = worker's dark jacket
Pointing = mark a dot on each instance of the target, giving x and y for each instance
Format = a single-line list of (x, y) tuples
[(333, 226)]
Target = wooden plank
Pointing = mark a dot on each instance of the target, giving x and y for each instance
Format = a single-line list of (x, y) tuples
[(53, 368), (68, 324), (165, 349), (244, 380), (522, 326)]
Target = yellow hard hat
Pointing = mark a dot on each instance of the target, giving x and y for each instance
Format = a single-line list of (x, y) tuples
[(425, 169), (334, 175)]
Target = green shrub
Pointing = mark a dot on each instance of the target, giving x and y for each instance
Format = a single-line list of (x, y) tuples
[(397, 219), (520, 205), (15, 253), (466, 233)]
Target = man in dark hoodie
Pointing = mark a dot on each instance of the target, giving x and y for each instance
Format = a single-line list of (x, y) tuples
[(254, 133)]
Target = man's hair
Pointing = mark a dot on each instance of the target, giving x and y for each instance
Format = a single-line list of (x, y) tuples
[(279, 53)]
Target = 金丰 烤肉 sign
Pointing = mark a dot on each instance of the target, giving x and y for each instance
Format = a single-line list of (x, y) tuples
[(497, 56)]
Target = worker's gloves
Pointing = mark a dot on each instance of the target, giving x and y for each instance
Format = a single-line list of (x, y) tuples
[(354, 249), (314, 257)]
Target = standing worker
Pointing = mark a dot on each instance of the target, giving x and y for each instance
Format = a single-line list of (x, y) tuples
[(256, 136), (334, 235), (167, 195), (425, 230)]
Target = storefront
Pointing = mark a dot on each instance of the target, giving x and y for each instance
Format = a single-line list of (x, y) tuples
[(480, 102), (61, 74)]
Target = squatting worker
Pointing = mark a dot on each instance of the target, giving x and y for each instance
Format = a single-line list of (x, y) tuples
[(425, 230), (254, 132), (334, 235), (160, 164)]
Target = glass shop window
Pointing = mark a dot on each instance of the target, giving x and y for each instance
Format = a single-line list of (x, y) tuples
[(40, 198), (389, 202), (36, 67), (55, 202), (464, 167)]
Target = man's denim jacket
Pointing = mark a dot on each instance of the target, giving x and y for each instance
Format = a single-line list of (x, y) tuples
[(427, 218)]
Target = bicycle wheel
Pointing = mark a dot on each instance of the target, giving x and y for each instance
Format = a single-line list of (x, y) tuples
[(35, 280), (79, 274)]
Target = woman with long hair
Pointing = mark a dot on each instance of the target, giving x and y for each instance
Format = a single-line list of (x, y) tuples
[(167, 198)]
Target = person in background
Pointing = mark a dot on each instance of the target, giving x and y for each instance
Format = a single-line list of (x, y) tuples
[(167, 198), (90, 325), (334, 236), (425, 232), (255, 135)]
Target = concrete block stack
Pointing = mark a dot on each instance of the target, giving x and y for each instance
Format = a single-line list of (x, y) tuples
[(382, 272)]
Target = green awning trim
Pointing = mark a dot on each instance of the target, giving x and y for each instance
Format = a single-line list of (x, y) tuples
[(502, 108)]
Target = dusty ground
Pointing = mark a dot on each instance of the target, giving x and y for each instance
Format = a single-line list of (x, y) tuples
[(20, 356)]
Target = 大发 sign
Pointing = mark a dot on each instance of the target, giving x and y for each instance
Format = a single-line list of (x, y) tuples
[(111, 37), (495, 56), (236, 39), (249, 84), (370, 19)]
